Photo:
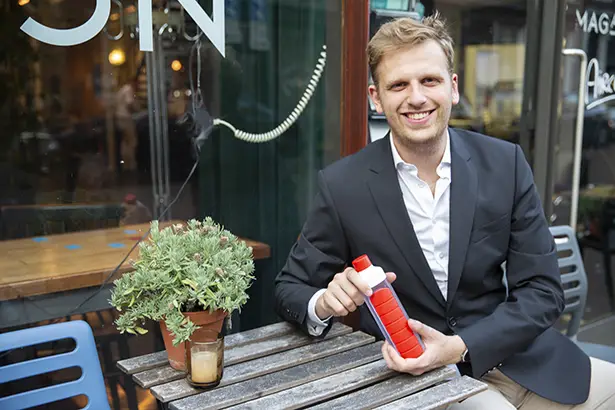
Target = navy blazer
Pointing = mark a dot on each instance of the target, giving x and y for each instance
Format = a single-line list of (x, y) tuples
[(495, 216)]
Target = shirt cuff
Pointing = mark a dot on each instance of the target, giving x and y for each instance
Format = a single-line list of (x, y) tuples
[(314, 324)]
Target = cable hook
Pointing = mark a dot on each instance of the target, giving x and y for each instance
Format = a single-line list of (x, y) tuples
[(121, 13)]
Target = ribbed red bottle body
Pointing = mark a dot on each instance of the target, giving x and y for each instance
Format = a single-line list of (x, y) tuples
[(395, 322), (387, 310)]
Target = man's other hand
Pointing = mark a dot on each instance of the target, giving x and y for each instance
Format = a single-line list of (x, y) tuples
[(440, 350), (344, 294)]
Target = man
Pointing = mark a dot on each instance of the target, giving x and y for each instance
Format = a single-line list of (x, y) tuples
[(125, 107), (442, 209)]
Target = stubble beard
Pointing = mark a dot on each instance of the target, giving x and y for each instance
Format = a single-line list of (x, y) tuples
[(425, 147)]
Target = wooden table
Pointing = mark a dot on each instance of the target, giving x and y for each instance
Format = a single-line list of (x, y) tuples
[(277, 366), (71, 266)]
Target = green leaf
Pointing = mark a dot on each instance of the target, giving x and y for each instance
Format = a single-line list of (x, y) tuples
[(190, 283), (141, 330), (210, 293)]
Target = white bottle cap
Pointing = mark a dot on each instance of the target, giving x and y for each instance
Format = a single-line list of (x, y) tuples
[(371, 274)]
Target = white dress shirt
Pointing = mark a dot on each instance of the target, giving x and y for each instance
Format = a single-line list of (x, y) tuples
[(430, 216)]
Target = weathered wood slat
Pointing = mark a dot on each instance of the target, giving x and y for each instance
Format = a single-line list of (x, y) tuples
[(140, 363), (244, 371), (279, 344), (387, 391), (156, 376), (260, 333), (318, 390), (152, 360), (280, 381), (242, 353), (447, 393)]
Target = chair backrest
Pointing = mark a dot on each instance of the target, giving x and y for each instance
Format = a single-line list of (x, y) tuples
[(574, 278), (34, 220), (90, 384)]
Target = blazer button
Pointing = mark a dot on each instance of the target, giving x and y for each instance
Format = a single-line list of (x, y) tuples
[(452, 322)]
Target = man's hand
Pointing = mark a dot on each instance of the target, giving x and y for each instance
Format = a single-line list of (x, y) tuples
[(440, 350), (344, 294)]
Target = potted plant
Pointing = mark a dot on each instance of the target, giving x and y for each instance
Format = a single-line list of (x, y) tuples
[(187, 276)]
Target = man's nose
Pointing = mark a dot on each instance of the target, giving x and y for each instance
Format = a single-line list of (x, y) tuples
[(415, 97)]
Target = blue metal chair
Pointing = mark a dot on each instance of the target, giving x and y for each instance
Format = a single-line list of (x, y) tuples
[(574, 280), (90, 384)]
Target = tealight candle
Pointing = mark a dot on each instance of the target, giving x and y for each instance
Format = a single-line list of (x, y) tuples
[(204, 367), (205, 358)]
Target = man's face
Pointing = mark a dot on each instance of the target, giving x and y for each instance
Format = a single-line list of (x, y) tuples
[(415, 92)]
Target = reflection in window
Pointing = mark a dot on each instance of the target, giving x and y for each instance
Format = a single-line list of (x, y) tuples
[(95, 135)]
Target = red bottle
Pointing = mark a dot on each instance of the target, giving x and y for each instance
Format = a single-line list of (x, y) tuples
[(387, 310)]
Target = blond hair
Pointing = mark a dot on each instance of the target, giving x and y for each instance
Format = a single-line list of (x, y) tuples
[(407, 32)]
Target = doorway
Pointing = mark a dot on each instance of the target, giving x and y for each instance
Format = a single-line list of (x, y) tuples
[(575, 157)]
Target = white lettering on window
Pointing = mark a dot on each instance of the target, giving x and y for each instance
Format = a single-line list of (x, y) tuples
[(212, 28)]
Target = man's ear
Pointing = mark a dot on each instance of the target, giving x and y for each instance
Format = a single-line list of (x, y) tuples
[(373, 93), (455, 91)]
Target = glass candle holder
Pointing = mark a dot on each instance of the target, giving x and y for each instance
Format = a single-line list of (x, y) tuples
[(205, 358)]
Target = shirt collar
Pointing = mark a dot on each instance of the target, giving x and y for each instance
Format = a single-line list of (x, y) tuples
[(444, 168)]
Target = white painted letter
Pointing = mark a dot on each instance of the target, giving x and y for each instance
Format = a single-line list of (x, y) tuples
[(593, 64), (603, 23), (593, 23), (213, 29), (70, 36), (582, 20), (146, 38)]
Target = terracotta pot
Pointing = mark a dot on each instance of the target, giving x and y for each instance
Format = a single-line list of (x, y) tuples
[(205, 319)]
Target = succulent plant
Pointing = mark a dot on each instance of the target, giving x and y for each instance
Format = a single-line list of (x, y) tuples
[(183, 268)]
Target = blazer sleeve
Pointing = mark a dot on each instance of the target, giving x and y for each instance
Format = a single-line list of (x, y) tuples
[(536, 296), (320, 252)]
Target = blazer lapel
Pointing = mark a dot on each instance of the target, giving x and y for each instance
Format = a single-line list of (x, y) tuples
[(384, 187), (464, 185)]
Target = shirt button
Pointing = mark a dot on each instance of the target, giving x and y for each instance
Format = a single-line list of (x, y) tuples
[(421, 185), (442, 255)]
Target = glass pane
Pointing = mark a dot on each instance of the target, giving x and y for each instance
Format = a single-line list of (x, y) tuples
[(588, 29), (489, 44), (99, 137)]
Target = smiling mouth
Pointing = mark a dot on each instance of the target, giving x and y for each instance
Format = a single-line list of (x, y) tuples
[(417, 116)]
